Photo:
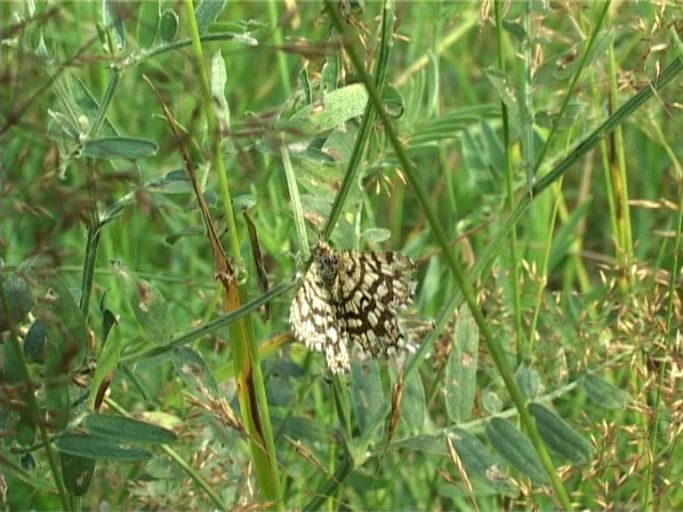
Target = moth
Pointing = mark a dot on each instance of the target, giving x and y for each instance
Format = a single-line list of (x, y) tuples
[(352, 299)]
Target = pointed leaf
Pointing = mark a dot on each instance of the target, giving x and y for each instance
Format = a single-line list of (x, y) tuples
[(113, 14), (605, 394), (376, 234), (109, 148), (334, 109), (35, 342), (194, 372), (100, 448), (368, 396), (107, 362), (168, 26), (528, 381), (414, 407), (77, 473), (206, 13), (480, 463), (560, 436), (16, 300), (127, 429), (219, 79), (148, 22), (149, 305), (516, 448), (461, 368)]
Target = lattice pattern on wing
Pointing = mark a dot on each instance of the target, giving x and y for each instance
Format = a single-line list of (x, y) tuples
[(353, 298)]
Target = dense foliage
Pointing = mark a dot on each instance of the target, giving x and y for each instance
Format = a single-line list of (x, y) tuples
[(167, 167)]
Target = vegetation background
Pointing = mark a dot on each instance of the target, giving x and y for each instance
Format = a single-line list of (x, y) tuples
[(526, 154)]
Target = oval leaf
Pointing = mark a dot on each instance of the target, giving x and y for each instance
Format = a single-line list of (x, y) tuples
[(127, 429), (77, 473), (195, 373), (461, 369), (368, 396), (334, 109), (516, 448), (34, 343), (148, 23), (149, 305), (605, 394), (480, 463), (17, 301), (107, 362), (168, 26), (65, 323), (559, 436), (119, 147), (414, 406), (528, 381), (376, 234), (100, 448), (206, 13)]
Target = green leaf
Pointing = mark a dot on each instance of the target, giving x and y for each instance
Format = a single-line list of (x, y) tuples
[(432, 445), (206, 13), (561, 67), (35, 342), (149, 306), (195, 373), (334, 109), (505, 92), (329, 75), (57, 397), (566, 235), (77, 473), (516, 448), (99, 448), (480, 463), (368, 396), (127, 429), (113, 14), (605, 394), (107, 362), (414, 407), (491, 402), (168, 26), (304, 86), (66, 328), (173, 182), (219, 79), (573, 112), (516, 30), (483, 156), (376, 234), (26, 426), (119, 147), (461, 368), (12, 369), (450, 124), (16, 301), (560, 436), (528, 381), (66, 348), (108, 322), (14, 378), (28, 462), (148, 22), (393, 101)]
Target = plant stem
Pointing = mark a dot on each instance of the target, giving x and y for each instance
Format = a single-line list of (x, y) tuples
[(251, 385), (522, 346), (495, 350)]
